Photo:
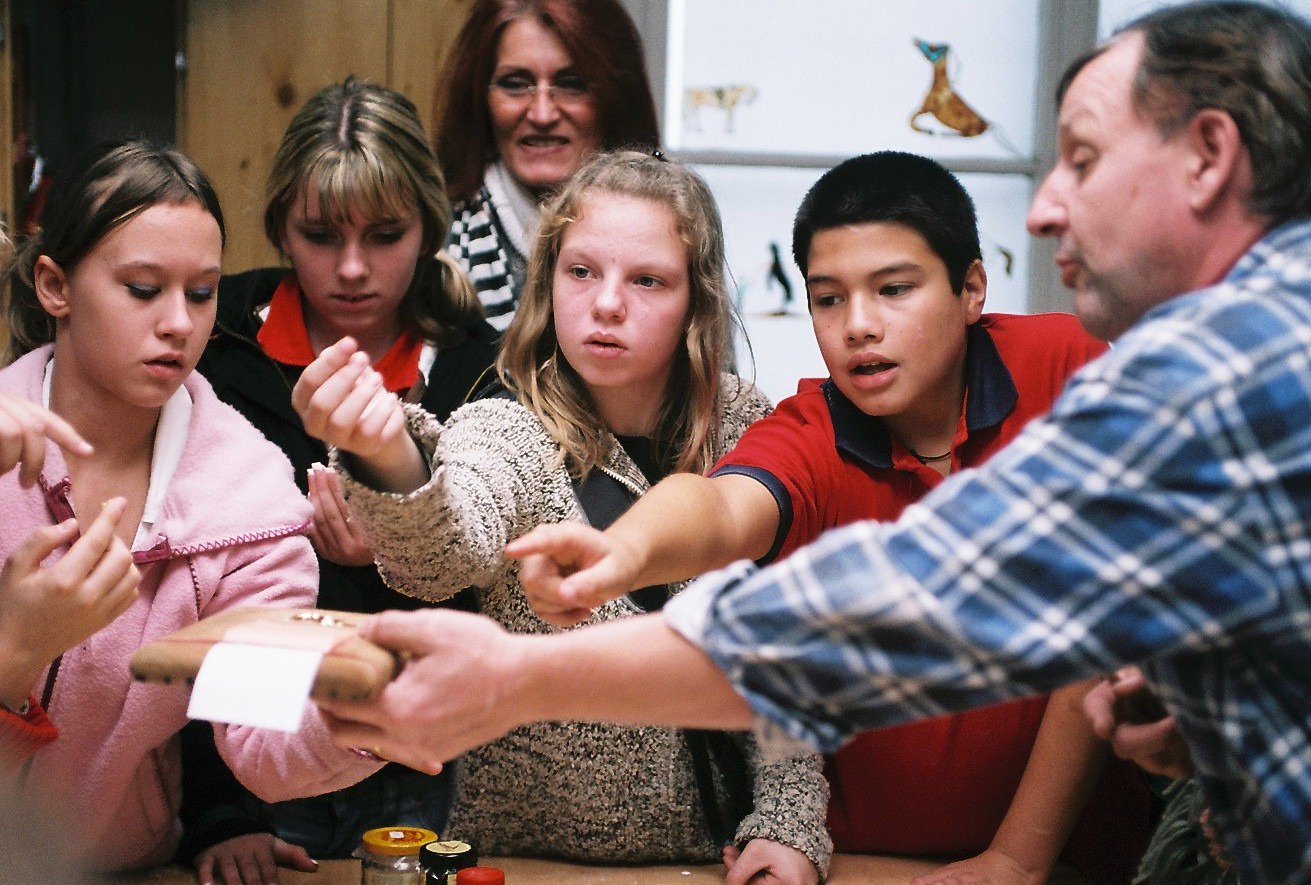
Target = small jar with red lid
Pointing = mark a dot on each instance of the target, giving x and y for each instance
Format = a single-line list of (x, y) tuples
[(480, 876)]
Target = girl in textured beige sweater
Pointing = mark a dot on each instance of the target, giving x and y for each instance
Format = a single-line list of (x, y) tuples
[(613, 378)]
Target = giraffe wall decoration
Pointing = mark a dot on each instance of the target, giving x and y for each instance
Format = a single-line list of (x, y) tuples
[(942, 101)]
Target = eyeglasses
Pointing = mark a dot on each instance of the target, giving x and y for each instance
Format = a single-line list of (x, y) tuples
[(564, 90)]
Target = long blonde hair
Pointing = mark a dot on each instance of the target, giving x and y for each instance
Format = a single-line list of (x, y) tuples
[(531, 365), (362, 146)]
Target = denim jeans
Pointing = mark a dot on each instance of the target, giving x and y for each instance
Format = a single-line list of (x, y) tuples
[(330, 826)]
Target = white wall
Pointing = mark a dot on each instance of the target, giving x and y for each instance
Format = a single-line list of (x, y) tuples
[(831, 79)]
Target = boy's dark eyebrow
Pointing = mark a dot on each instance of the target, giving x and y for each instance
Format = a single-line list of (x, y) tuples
[(900, 267)]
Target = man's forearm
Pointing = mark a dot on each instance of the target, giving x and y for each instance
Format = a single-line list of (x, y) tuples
[(635, 671)]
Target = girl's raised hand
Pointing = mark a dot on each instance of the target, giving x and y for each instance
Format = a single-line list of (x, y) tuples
[(24, 429), (342, 401), (335, 534), (46, 611)]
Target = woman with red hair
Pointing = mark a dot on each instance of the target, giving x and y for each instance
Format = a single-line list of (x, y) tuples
[(533, 89)]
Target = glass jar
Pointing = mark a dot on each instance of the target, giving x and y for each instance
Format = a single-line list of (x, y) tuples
[(442, 859), (390, 855)]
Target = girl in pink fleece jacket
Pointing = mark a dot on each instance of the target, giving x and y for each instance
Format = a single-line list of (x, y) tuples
[(163, 507)]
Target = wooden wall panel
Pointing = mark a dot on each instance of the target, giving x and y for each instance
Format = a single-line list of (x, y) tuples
[(423, 32), (252, 63), (250, 66)]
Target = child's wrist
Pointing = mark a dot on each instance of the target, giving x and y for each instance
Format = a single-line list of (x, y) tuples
[(18, 673)]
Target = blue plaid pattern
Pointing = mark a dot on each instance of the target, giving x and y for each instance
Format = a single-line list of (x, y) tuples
[(1160, 515)]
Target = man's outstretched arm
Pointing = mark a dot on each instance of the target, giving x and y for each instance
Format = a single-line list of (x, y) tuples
[(467, 681)]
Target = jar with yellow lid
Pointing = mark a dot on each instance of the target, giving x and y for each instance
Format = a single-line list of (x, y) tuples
[(390, 855)]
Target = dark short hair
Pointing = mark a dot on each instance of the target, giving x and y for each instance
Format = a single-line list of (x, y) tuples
[(101, 190), (1250, 60), (893, 188), (606, 50)]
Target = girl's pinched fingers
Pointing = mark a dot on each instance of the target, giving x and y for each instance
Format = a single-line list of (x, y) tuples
[(381, 408), (22, 441), (97, 538), (316, 496), (32, 455), (111, 585), (335, 498), (317, 540), (325, 365), (25, 429), (331, 531), (326, 379), (330, 507), (103, 562), (349, 423), (124, 593), (320, 408), (328, 488), (11, 452), (378, 422), (33, 550)]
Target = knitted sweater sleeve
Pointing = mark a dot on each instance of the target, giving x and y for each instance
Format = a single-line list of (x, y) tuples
[(494, 473), (790, 794), (791, 804)]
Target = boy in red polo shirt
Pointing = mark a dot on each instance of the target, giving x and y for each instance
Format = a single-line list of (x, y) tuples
[(921, 384)]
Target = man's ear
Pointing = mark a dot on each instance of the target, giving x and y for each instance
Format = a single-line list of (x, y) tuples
[(1216, 159), (974, 292), (51, 285)]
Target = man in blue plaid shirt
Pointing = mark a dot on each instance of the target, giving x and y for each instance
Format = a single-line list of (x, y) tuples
[(1161, 514)]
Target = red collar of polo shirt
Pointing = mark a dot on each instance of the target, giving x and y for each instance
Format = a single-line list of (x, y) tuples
[(283, 336), (990, 395)]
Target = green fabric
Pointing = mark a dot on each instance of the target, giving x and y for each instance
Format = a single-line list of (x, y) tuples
[(1179, 853)]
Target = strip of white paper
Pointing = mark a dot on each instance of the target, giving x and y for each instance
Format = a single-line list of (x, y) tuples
[(254, 685)]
